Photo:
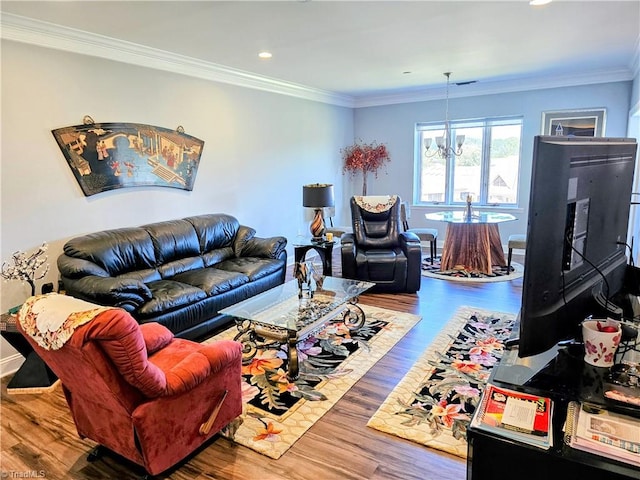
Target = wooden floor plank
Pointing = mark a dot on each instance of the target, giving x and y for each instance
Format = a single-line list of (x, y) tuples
[(38, 432)]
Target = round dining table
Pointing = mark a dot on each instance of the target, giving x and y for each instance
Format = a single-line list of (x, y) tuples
[(472, 241)]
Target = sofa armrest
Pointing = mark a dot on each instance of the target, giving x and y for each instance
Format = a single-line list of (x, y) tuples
[(264, 247), (155, 336), (127, 293), (72, 267)]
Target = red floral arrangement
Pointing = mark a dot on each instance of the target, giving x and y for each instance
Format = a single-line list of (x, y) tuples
[(365, 158)]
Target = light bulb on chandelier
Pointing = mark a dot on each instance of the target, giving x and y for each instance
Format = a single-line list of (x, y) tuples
[(445, 142)]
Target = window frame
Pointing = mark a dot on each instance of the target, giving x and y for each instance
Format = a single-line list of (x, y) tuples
[(487, 124)]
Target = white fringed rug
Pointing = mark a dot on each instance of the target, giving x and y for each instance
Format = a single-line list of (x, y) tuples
[(433, 404), (278, 412)]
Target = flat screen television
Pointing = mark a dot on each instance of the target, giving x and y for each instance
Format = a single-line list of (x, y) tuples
[(578, 218)]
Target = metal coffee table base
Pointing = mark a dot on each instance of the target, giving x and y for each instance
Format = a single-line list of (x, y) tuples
[(254, 335)]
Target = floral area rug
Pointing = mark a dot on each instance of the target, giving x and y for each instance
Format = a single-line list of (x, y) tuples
[(278, 412), (433, 404), (498, 274)]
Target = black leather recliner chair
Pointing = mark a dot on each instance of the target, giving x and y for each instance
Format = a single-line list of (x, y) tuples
[(378, 250)]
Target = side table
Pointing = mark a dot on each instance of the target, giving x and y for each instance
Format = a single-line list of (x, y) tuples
[(324, 249), (33, 376)]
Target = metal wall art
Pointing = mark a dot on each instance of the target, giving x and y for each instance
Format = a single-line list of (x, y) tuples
[(106, 156)]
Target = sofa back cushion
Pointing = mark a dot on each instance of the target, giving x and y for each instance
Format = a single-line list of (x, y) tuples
[(117, 251), (216, 233), (216, 230), (162, 249)]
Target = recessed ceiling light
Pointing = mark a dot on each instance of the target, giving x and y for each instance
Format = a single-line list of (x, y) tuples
[(536, 3), (265, 55)]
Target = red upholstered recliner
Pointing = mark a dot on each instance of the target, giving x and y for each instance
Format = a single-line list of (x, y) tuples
[(142, 393)]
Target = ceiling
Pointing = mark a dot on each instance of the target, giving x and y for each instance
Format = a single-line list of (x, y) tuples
[(363, 50)]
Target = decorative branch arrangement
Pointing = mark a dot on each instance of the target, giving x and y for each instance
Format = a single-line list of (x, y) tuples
[(25, 268), (365, 158)]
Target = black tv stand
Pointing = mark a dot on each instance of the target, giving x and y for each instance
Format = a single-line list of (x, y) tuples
[(565, 378)]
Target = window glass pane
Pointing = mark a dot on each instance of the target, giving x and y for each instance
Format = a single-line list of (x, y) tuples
[(504, 164), (467, 170), (434, 169), (487, 169)]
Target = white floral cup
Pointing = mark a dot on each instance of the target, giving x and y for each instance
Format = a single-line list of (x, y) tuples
[(601, 339)]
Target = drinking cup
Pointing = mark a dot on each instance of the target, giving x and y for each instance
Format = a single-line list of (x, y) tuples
[(601, 339)]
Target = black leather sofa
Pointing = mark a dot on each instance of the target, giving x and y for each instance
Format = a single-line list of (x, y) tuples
[(179, 273)]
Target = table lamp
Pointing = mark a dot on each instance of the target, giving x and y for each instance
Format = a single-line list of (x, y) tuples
[(317, 196)]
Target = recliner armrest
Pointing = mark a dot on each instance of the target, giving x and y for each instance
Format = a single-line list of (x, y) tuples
[(197, 366), (409, 241), (348, 255)]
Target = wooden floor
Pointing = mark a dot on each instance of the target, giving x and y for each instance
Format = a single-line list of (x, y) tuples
[(39, 437)]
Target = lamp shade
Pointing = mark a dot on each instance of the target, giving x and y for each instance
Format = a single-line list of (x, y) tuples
[(317, 195)]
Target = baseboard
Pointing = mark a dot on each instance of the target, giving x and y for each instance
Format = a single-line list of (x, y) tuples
[(10, 364)]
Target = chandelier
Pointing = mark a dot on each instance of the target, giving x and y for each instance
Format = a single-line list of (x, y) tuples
[(445, 142)]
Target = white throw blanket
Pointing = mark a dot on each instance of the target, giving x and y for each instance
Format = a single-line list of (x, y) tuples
[(51, 319)]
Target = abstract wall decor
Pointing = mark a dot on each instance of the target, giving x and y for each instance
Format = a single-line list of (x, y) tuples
[(107, 156)]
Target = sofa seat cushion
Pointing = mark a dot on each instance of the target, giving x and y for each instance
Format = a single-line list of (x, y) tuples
[(252, 267), (212, 280), (169, 295)]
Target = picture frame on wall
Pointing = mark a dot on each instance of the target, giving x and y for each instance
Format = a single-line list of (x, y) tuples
[(108, 156), (574, 123)]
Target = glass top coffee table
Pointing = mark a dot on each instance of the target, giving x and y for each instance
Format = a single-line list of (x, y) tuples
[(278, 316)]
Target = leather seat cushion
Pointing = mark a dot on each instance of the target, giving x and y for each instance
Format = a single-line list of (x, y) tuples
[(169, 295), (381, 265), (173, 240), (213, 281)]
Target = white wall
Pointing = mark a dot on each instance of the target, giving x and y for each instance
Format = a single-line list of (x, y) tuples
[(260, 148), (394, 125)]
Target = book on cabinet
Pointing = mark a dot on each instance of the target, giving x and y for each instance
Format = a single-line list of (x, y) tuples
[(520, 416), (602, 432)]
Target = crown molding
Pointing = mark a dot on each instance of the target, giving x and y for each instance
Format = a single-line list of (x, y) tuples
[(49, 35), (492, 87)]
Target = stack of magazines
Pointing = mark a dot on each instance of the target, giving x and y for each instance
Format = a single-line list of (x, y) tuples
[(516, 415), (603, 432)]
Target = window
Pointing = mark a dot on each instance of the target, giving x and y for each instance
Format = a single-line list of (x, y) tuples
[(487, 169)]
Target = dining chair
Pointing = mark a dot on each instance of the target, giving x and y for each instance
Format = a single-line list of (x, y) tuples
[(516, 241), (425, 235)]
